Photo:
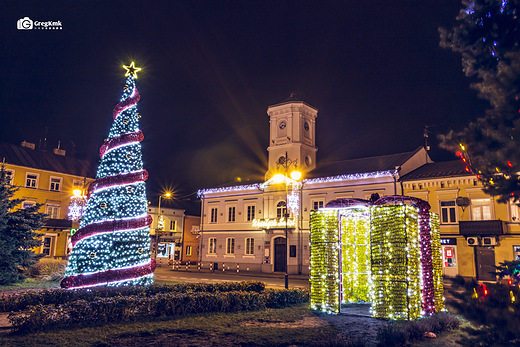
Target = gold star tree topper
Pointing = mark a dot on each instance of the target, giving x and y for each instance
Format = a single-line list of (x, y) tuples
[(131, 70)]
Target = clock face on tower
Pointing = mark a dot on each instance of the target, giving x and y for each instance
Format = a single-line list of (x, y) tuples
[(306, 126), (282, 125)]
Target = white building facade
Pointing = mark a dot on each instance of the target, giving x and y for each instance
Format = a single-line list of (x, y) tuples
[(246, 224)]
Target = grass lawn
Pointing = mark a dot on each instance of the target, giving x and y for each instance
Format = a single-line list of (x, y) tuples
[(272, 327), (30, 283)]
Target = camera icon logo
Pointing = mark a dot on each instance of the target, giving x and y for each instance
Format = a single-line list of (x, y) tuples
[(24, 24)]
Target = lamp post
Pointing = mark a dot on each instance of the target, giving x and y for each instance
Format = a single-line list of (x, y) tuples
[(295, 176), (167, 195)]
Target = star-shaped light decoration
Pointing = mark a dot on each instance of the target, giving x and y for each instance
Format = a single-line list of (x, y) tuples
[(131, 70)]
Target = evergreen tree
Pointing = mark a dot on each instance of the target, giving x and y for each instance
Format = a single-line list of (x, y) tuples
[(112, 246), (493, 310), (17, 233), (488, 39)]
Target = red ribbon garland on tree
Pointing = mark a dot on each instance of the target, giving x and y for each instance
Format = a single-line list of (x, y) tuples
[(129, 102), (111, 226), (120, 140), (108, 276), (128, 178)]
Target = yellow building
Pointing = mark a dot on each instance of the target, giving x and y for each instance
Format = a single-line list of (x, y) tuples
[(47, 178), (191, 240), (477, 232)]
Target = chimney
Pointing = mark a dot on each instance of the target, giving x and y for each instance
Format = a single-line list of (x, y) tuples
[(28, 145), (59, 151)]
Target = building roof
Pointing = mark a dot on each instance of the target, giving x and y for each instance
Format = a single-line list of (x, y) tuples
[(42, 160), (362, 165), (292, 99), (438, 170)]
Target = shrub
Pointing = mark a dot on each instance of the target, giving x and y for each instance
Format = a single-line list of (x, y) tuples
[(398, 333), (392, 335), (48, 269), (102, 310), (21, 301)]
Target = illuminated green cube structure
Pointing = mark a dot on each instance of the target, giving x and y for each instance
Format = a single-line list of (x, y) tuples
[(387, 253)]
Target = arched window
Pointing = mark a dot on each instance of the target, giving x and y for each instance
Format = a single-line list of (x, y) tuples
[(281, 209), (230, 245)]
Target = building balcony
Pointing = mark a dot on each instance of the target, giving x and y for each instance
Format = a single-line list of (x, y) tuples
[(482, 227)]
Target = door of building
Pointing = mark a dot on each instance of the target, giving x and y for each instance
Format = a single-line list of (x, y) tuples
[(449, 263), (485, 263), (280, 254)]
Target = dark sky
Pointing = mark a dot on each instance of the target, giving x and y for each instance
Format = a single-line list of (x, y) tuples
[(374, 70)]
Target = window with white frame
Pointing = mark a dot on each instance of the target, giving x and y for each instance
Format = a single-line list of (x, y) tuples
[(250, 213), (214, 212), (212, 245), (448, 212), (9, 174), (481, 209), (230, 245), (231, 213), (188, 250), (48, 245), (172, 225), (317, 204), (280, 209), (53, 211), (250, 246), (27, 204), (514, 208), (31, 180), (55, 184)]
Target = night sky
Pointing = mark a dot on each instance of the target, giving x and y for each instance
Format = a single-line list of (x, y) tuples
[(373, 69)]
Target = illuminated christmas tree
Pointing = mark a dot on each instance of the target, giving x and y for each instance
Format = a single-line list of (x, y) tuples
[(489, 40), (112, 246)]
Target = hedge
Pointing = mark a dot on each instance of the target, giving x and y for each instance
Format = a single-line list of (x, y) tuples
[(21, 301), (121, 308)]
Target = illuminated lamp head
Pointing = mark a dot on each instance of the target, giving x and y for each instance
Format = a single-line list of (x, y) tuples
[(76, 192), (278, 178), (167, 194), (296, 175)]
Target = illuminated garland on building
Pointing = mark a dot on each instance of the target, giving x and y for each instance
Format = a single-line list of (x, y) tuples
[(399, 272), (261, 186), (112, 246)]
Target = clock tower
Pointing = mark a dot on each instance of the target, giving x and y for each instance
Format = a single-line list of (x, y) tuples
[(292, 131)]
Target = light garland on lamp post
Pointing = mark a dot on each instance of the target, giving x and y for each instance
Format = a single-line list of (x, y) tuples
[(292, 202)]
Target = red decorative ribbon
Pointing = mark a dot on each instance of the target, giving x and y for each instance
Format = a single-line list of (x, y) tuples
[(105, 277), (128, 178), (120, 140), (111, 226), (128, 102)]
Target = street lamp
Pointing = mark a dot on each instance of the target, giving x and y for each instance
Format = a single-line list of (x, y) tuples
[(166, 195), (295, 175)]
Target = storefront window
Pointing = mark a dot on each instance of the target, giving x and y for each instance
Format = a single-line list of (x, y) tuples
[(449, 257)]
